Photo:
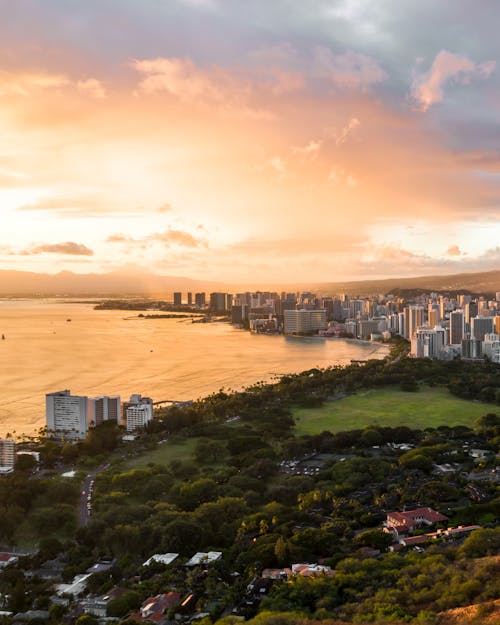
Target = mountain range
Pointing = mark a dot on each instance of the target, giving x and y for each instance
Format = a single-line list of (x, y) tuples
[(132, 282)]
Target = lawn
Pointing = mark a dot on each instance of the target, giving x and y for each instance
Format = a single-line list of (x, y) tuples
[(164, 453), (429, 407)]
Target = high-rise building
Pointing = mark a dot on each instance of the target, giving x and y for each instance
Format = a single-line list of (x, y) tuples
[(428, 342), (304, 321), (239, 313), (470, 310), (190, 299), (177, 299), (7, 455), (471, 348), (366, 327), (481, 326), (496, 324), (103, 409), (138, 412), (456, 327), (491, 345), (66, 415), (200, 299), (433, 315), (401, 324), (414, 318), (220, 302)]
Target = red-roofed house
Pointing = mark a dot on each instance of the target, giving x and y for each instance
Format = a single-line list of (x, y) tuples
[(7, 558), (406, 522), (154, 608)]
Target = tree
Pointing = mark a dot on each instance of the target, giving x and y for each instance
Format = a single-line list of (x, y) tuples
[(281, 551), (482, 542), (87, 619), (376, 539), (130, 600)]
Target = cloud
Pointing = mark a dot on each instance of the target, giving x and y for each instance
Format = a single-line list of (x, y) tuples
[(87, 204), (179, 77), (179, 238), (278, 165), (310, 149), (92, 87), (69, 248), (26, 83), (119, 238), (208, 87), (347, 70), (351, 125), (454, 250), (340, 176), (165, 208), (447, 67)]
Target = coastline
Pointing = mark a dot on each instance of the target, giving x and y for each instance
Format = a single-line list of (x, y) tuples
[(159, 358)]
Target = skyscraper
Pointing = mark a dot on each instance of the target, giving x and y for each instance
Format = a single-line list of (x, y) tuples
[(177, 299), (200, 299), (481, 326), (414, 318), (456, 327)]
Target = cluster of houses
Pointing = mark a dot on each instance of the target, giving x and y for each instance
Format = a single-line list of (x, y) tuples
[(406, 527)]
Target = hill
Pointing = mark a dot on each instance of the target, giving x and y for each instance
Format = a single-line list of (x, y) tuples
[(134, 281)]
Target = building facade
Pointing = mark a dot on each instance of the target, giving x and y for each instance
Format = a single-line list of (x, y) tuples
[(138, 412), (66, 415), (304, 321)]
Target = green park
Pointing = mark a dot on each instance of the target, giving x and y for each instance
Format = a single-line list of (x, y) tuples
[(429, 407)]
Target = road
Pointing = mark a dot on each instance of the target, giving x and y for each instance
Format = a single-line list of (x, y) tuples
[(85, 505)]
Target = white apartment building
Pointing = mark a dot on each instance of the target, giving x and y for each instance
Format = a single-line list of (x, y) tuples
[(138, 412), (304, 321), (7, 455), (66, 415)]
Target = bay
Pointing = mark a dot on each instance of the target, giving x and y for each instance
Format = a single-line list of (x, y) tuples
[(52, 345)]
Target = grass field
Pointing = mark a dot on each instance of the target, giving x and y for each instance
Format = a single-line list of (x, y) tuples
[(166, 452), (429, 407)]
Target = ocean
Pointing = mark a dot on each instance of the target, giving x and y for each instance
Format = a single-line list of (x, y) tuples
[(54, 344)]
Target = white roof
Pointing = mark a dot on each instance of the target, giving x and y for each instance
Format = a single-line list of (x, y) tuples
[(163, 558), (77, 586), (204, 557)]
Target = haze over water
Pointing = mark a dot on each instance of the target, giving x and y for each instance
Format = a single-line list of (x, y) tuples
[(114, 352)]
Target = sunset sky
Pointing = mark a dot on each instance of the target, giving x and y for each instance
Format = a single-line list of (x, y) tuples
[(272, 140)]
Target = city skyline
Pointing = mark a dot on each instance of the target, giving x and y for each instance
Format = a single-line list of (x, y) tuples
[(215, 140)]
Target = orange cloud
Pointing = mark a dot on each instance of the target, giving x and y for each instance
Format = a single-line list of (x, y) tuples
[(453, 250), (447, 67), (69, 248), (27, 83)]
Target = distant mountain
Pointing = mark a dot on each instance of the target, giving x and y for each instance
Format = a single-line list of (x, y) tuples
[(135, 282), (132, 283), (485, 282)]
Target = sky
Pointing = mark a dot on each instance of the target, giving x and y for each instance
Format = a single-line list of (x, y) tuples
[(249, 140)]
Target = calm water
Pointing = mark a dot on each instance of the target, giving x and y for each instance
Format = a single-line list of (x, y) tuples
[(113, 352)]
